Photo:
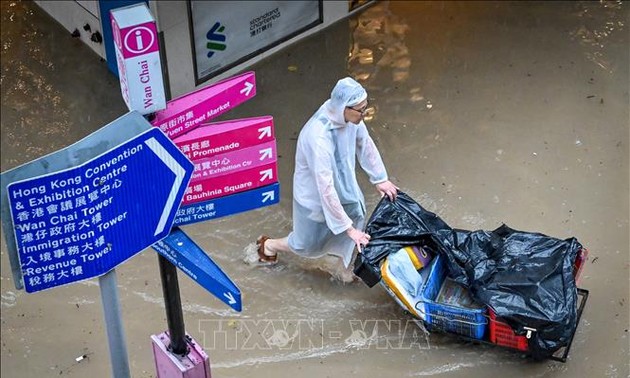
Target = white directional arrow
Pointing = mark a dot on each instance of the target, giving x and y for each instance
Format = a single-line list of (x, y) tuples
[(265, 153), (179, 171), (229, 297), (266, 174), (264, 132), (248, 88), (268, 196)]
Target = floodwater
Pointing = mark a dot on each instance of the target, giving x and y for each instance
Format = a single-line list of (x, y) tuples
[(484, 112)]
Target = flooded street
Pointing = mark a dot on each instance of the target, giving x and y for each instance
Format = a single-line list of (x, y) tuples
[(484, 112)]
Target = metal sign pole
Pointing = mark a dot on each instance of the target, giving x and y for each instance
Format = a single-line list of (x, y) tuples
[(173, 305), (168, 271), (113, 325)]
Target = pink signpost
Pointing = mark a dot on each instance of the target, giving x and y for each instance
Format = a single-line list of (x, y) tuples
[(225, 185), (193, 109), (215, 138), (236, 161), (235, 171), (138, 58)]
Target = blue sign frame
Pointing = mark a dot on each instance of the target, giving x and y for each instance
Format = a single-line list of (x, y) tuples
[(228, 205), (182, 252), (82, 222)]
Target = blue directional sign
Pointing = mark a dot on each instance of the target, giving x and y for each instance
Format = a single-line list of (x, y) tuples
[(182, 252), (82, 222), (228, 205)]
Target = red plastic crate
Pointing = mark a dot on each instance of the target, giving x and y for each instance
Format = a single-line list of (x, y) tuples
[(502, 334), (578, 265)]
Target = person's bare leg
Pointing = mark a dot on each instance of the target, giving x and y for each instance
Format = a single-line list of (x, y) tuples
[(335, 267), (347, 273), (274, 246)]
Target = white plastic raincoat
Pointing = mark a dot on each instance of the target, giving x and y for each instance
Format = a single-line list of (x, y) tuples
[(327, 199)]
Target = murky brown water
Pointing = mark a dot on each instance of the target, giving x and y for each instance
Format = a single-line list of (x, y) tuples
[(485, 112)]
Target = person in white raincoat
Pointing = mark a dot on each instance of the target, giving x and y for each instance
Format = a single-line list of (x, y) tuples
[(328, 205)]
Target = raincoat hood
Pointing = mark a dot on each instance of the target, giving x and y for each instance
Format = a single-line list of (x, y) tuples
[(347, 92)]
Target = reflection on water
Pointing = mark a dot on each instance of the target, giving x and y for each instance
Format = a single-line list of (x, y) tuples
[(380, 57), (378, 44), (601, 22), (378, 48)]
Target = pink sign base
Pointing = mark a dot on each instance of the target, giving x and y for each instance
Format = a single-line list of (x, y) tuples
[(195, 364)]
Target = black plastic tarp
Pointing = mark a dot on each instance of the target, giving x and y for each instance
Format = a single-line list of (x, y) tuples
[(526, 278)]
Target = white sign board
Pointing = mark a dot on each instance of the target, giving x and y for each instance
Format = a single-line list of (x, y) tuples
[(138, 58), (229, 32)]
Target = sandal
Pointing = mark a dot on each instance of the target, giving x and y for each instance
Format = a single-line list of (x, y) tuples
[(262, 257)]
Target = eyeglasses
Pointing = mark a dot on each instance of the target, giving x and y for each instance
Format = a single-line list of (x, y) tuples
[(360, 111)]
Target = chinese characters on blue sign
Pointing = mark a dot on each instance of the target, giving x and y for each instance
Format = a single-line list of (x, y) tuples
[(84, 221)]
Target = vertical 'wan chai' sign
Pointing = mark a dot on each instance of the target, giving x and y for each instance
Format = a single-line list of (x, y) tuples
[(138, 58)]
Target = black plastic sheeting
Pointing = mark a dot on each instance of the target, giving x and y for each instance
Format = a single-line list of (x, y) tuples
[(526, 278)]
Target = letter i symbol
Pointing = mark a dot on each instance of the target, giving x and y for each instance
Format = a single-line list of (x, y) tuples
[(139, 40)]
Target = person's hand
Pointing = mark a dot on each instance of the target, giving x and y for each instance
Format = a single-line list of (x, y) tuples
[(360, 238), (386, 188)]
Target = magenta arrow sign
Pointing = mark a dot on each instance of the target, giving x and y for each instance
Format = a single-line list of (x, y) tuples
[(191, 110), (227, 184), (220, 137)]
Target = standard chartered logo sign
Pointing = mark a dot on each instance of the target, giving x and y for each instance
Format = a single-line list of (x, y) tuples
[(216, 39)]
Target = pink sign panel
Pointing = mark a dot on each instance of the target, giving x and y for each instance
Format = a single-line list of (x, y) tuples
[(221, 137), (225, 185), (191, 110), (236, 161)]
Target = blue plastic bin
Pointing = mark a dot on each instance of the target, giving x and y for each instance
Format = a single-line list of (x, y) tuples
[(444, 317)]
